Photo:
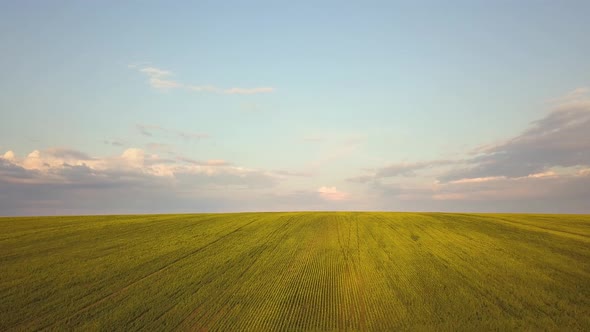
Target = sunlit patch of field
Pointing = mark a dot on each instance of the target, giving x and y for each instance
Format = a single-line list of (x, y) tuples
[(296, 271)]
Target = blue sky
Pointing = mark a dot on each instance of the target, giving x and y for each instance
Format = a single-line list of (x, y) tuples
[(151, 106)]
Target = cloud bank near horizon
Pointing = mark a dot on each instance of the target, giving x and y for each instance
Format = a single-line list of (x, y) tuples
[(545, 168)]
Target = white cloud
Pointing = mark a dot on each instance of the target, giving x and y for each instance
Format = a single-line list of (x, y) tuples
[(9, 155), (155, 72), (134, 157), (159, 79), (164, 84), (332, 194), (49, 165)]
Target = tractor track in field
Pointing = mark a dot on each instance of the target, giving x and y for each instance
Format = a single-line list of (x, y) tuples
[(163, 268), (522, 225)]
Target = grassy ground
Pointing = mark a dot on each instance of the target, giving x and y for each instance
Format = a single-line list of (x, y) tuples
[(296, 271)]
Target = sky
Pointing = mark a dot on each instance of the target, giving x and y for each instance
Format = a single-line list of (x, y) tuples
[(207, 106)]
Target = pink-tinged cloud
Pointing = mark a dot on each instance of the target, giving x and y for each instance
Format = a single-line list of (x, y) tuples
[(479, 180), (543, 175), (70, 167), (9, 155), (332, 194), (216, 162)]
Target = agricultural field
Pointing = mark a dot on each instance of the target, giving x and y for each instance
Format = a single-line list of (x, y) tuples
[(296, 271)]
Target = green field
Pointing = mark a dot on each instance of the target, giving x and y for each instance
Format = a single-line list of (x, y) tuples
[(296, 271)]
